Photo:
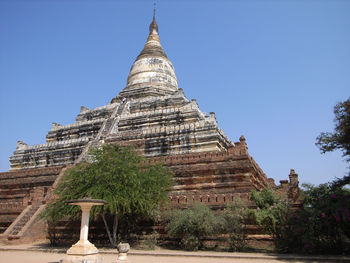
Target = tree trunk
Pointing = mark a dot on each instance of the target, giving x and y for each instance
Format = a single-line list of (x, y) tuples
[(111, 240), (115, 227)]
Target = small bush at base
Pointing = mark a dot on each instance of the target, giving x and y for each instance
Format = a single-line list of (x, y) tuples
[(192, 225), (190, 243), (273, 214), (234, 225)]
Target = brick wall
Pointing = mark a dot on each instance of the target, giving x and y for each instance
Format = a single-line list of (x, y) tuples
[(211, 178), (20, 188)]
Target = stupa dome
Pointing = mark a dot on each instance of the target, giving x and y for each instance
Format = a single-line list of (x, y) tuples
[(152, 73)]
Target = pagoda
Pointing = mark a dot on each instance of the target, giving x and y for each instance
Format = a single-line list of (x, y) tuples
[(153, 114)]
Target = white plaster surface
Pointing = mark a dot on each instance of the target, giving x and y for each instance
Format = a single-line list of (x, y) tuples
[(83, 247)]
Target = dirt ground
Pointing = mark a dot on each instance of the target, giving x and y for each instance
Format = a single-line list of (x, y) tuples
[(47, 257)]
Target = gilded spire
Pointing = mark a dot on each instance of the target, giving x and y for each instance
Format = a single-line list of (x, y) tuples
[(153, 25)]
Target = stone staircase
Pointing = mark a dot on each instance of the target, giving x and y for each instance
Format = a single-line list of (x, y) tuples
[(105, 129), (23, 194), (27, 224), (111, 122), (23, 220)]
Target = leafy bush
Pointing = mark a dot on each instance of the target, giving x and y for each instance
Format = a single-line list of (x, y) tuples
[(326, 219), (234, 217), (321, 225), (192, 225), (273, 214), (151, 240), (327, 206)]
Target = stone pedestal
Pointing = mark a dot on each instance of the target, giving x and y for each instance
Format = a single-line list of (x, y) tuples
[(83, 251), (123, 249), (83, 246)]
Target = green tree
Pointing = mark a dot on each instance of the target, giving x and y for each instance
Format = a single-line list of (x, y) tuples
[(340, 138), (119, 176)]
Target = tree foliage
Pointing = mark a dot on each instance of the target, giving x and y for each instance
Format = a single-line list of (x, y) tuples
[(325, 218), (191, 225), (233, 225), (272, 213), (321, 225), (120, 177), (340, 138)]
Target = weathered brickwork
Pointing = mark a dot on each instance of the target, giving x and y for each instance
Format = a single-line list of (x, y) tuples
[(155, 116), (21, 188)]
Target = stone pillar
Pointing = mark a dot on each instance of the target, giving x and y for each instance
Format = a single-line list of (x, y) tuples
[(271, 182), (83, 246), (293, 192), (83, 250), (293, 177), (84, 227), (243, 145)]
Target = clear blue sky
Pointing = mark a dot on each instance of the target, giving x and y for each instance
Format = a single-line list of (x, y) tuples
[(271, 70)]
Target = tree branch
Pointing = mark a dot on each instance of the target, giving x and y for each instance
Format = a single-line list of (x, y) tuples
[(108, 232), (115, 227)]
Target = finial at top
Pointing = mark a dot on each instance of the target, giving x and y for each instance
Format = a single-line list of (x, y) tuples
[(153, 25)]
